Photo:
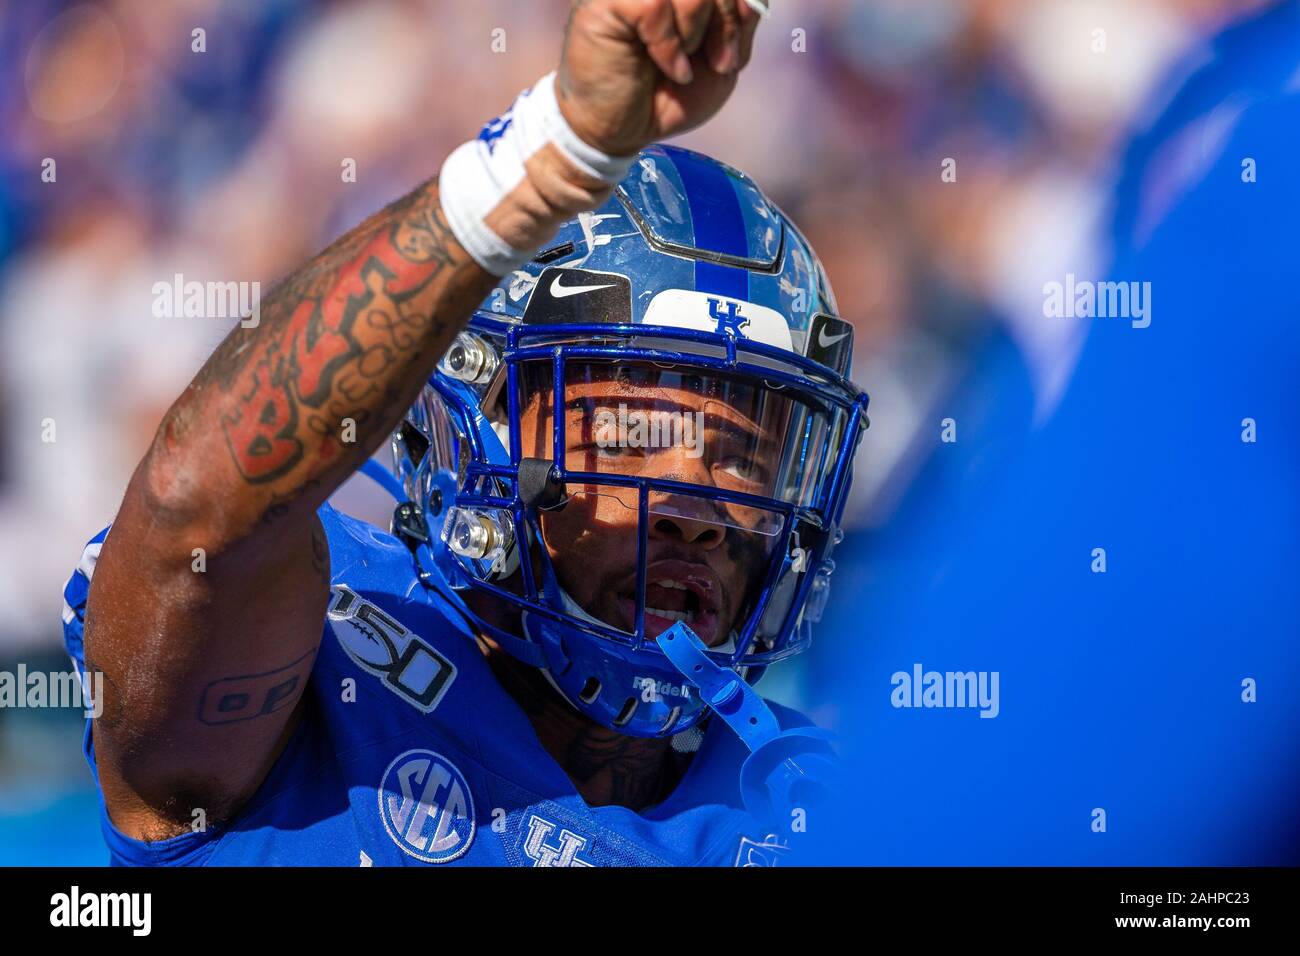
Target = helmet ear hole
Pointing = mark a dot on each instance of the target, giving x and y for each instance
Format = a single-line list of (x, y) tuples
[(670, 720), (590, 690), (625, 714)]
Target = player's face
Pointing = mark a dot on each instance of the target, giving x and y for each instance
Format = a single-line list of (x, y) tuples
[(704, 558)]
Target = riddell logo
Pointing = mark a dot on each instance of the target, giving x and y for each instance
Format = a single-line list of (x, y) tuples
[(652, 690)]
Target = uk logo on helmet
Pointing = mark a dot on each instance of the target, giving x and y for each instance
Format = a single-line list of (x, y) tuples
[(426, 806), (727, 314)]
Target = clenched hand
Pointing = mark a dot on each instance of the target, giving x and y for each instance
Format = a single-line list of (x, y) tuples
[(636, 71)]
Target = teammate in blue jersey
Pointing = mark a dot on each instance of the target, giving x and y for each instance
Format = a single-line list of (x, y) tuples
[(622, 433)]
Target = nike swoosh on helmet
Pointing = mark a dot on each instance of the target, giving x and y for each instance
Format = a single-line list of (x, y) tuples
[(560, 291)]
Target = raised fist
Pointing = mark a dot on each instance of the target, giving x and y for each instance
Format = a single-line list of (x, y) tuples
[(636, 71)]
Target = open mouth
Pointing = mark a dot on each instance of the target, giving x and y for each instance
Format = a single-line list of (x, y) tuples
[(677, 591)]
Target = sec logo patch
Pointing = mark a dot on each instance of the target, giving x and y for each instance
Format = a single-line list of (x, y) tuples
[(426, 806)]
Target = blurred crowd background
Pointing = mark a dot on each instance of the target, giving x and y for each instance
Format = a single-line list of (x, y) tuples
[(225, 165)]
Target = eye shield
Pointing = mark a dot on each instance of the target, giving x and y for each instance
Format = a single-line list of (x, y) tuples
[(657, 427)]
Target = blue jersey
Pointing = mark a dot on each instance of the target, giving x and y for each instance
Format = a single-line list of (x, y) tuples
[(410, 752)]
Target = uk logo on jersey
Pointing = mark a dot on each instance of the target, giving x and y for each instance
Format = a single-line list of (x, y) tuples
[(765, 852), (426, 806), (563, 852)]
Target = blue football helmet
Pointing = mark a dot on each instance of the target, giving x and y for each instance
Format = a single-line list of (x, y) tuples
[(650, 423)]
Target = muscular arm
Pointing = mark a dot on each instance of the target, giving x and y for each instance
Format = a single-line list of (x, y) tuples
[(204, 669)]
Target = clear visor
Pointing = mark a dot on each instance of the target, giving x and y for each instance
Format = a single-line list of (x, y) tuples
[(717, 448), (680, 425)]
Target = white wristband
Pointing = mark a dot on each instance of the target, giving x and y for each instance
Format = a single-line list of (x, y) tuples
[(479, 174)]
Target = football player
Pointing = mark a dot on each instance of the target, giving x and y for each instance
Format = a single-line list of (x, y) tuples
[(622, 430)]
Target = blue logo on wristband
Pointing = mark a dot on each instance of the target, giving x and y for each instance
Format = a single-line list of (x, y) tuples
[(494, 130)]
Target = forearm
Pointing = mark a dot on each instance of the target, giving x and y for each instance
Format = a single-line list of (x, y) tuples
[(238, 467), (285, 410)]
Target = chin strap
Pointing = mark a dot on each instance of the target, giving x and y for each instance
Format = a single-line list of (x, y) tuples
[(787, 771)]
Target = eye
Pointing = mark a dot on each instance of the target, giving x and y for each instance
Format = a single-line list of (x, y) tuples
[(742, 469), (607, 451)]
